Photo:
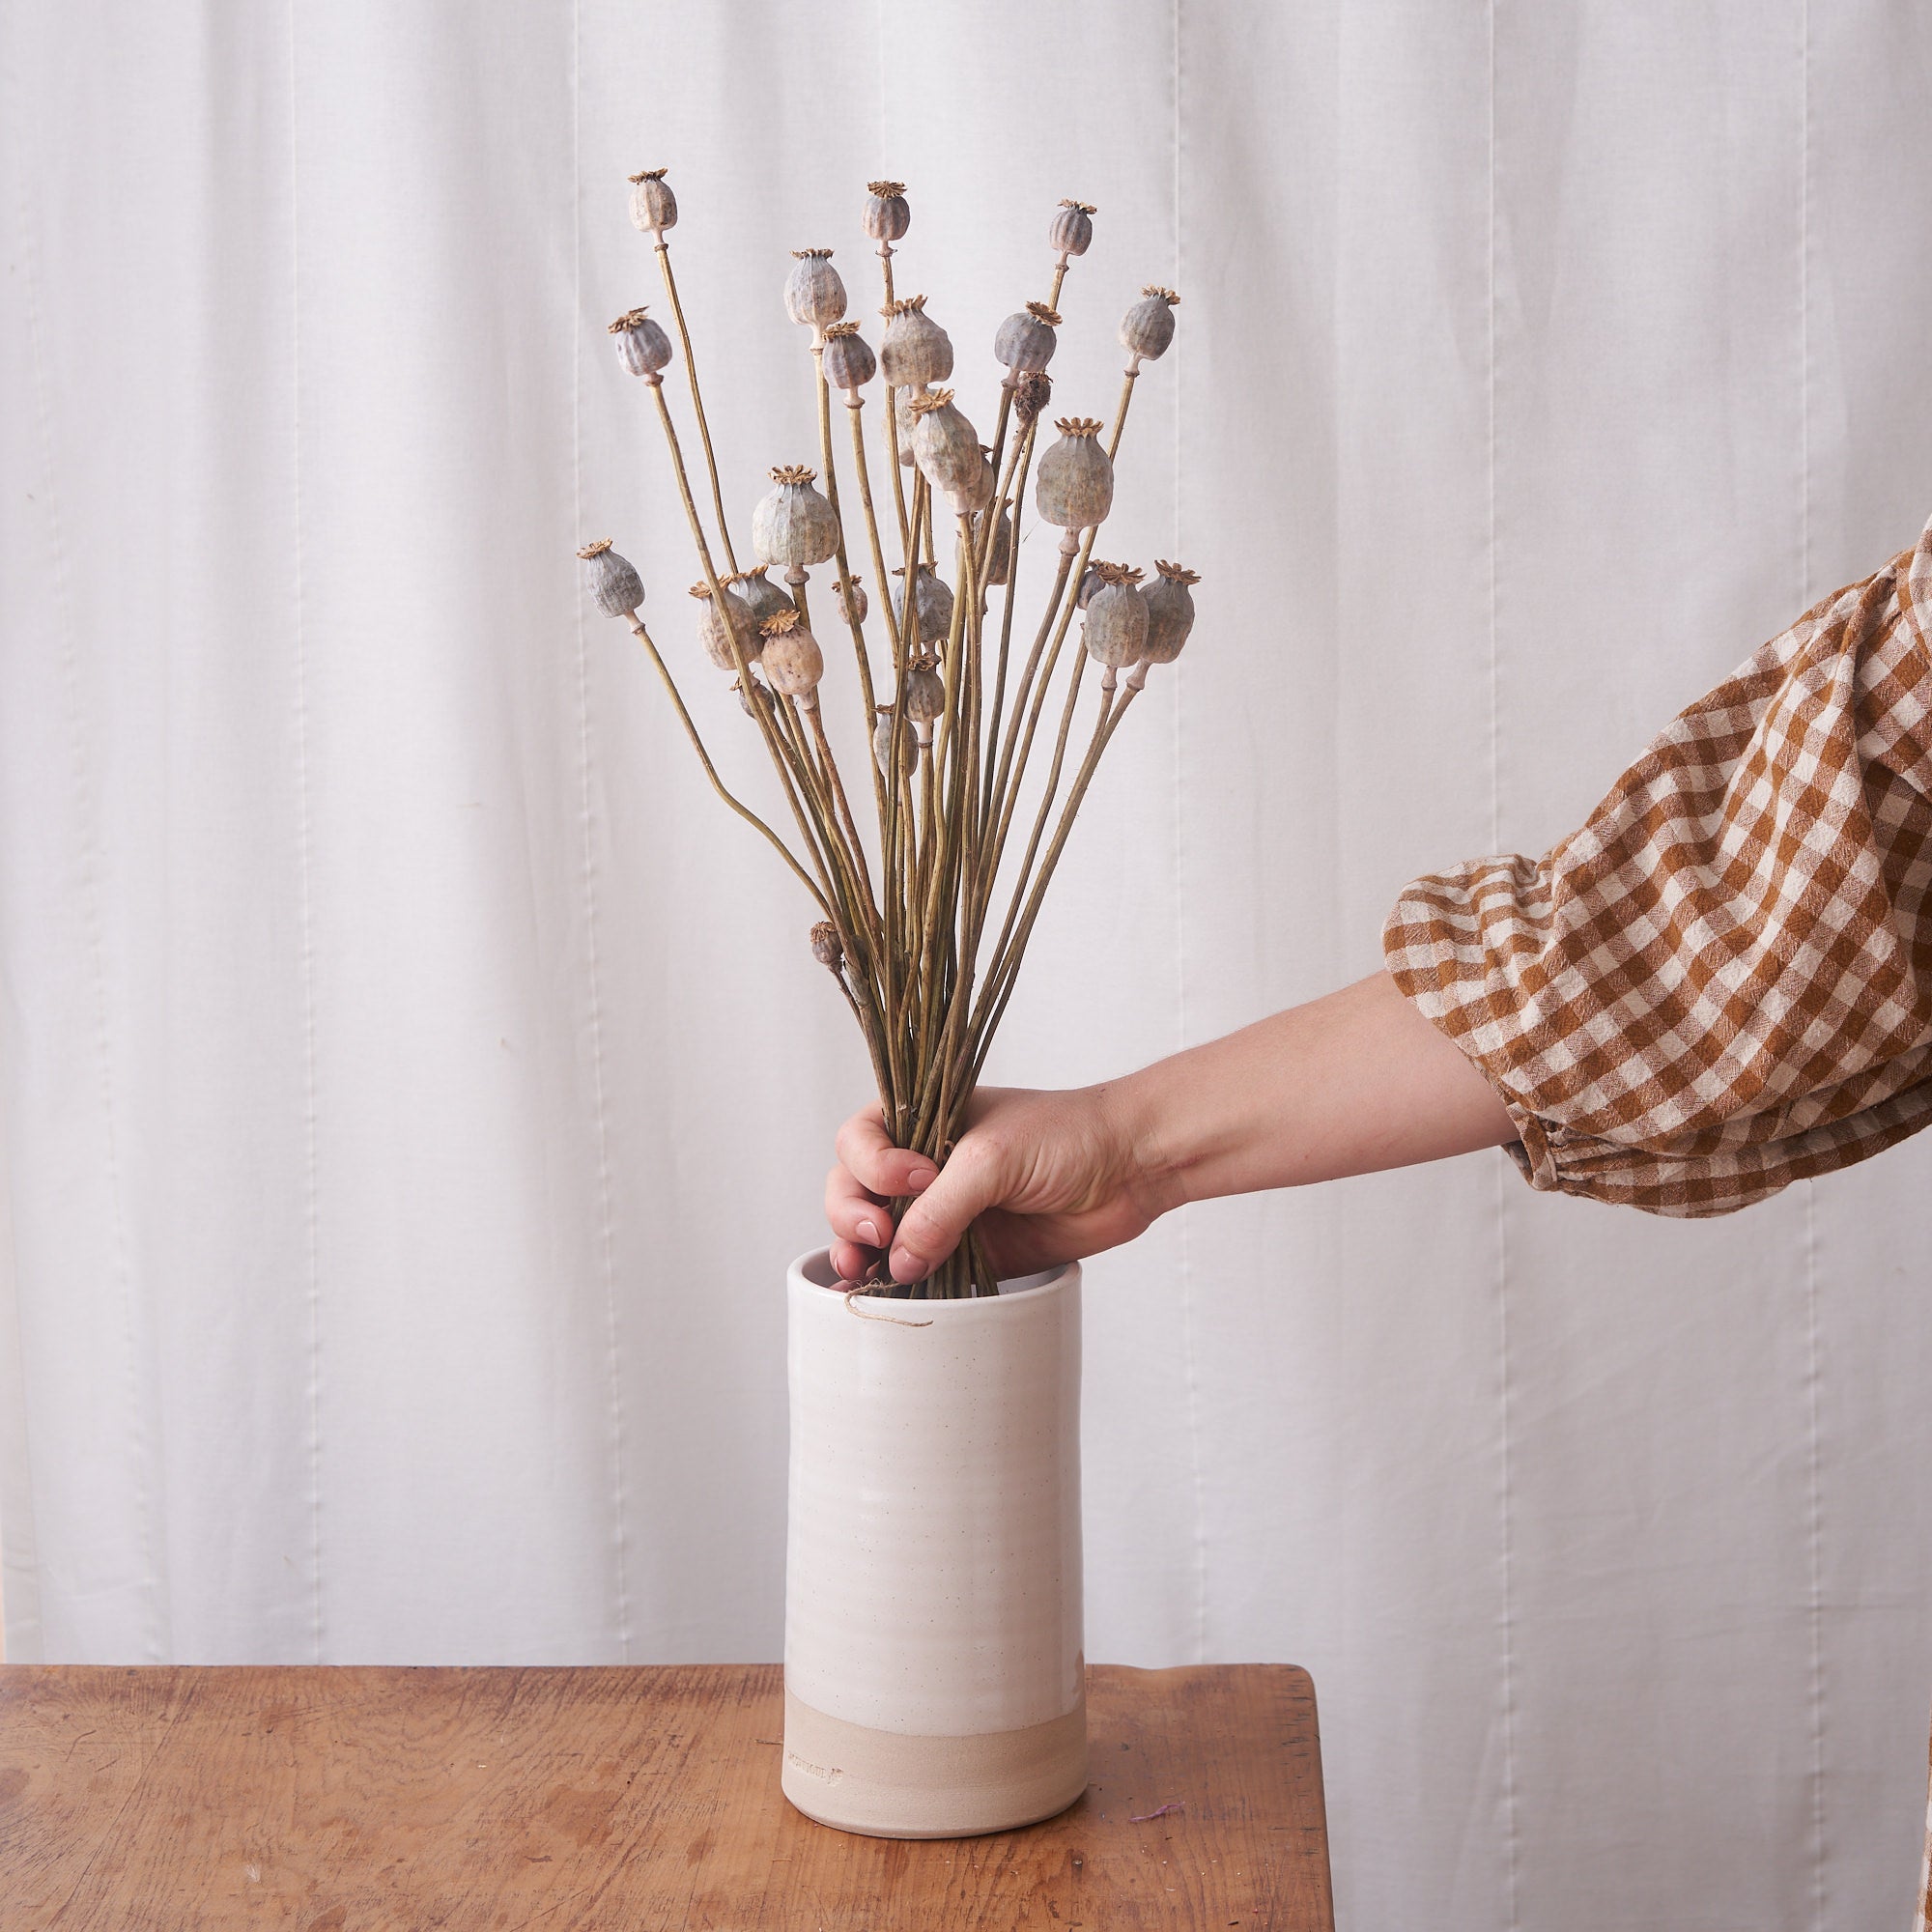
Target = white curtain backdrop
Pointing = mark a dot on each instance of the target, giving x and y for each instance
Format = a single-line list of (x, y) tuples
[(412, 1083)]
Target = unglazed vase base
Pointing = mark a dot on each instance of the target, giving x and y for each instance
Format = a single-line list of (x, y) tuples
[(885, 1784)]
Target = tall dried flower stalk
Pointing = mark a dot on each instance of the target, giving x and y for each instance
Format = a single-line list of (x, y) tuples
[(924, 910)]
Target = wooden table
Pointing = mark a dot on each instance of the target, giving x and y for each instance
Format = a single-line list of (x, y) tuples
[(340, 1800)]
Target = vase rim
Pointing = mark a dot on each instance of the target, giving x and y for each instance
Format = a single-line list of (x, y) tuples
[(814, 1271)]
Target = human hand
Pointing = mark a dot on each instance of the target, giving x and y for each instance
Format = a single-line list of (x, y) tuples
[(1047, 1176)]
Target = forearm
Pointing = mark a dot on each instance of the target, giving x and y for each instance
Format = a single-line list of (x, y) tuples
[(1348, 1083)]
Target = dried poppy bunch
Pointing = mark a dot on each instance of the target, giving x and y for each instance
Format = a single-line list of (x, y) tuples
[(922, 924)]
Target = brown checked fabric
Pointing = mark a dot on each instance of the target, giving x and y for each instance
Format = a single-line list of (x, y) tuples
[(1724, 981)]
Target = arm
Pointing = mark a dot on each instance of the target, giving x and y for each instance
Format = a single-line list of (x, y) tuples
[(1348, 1084)]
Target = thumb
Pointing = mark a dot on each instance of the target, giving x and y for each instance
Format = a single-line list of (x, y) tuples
[(972, 1180)]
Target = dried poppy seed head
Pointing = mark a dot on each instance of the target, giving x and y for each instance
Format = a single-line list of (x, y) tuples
[(933, 604), (1026, 340), (1170, 613), (1071, 229), (642, 347), (1148, 328), (853, 602), (882, 744), (1075, 486), (759, 694), (946, 446), (914, 349), (792, 660), (793, 473), (653, 206), (887, 216), (999, 552), (612, 580), (925, 691), (716, 626), (1117, 623), (825, 945), (1032, 393), (850, 361), (813, 292), (794, 525), (763, 597)]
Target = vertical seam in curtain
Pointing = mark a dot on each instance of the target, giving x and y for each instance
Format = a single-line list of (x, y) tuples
[(87, 894), (305, 870), (1813, 1358), (606, 1214), (1193, 1362), (1505, 1474)]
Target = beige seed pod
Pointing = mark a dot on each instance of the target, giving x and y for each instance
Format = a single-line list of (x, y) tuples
[(792, 660), (850, 596), (914, 349), (612, 580), (850, 361), (999, 552), (1072, 229), (714, 632), (887, 216), (653, 206), (1116, 621), (1148, 328), (826, 947), (925, 691), (945, 445), (766, 598), (1075, 480), (642, 347), (813, 292), (882, 743), (1026, 341), (794, 525), (1169, 612), (932, 603)]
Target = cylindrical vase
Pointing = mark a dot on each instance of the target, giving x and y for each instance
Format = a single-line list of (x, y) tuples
[(934, 1671)]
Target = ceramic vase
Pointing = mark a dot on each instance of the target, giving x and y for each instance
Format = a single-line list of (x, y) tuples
[(934, 1671)]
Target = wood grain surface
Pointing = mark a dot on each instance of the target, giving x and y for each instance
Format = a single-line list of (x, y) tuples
[(338, 1800)]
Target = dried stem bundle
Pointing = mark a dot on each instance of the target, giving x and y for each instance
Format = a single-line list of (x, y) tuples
[(906, 906)]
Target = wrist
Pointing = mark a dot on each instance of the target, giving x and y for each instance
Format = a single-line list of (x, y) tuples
[(1139, 1123)]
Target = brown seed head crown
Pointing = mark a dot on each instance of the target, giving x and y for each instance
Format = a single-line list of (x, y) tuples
[(1085, 207), (704, 589), (1041, 313), (793, 472), (1079, 425), (933, 399), (628, 321), (909, 306), (834, 329), (811, 254), (1166, 295), (1176, 572), (650, 175), (779, 622), (1031, 394), (885, 190), (1116, 573), (596, 548)]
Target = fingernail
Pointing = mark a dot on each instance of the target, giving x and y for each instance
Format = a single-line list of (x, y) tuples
[(921, 1177), (907, 1265), (869, 1232)]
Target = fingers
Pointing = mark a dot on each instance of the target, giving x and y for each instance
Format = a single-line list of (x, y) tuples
[(876, 1163), (972, 1180), (853, 1213)]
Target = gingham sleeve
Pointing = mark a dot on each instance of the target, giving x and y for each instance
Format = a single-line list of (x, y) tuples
[(1724, 981)]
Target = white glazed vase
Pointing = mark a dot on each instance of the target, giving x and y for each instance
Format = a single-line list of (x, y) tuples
[(935, 1681)]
